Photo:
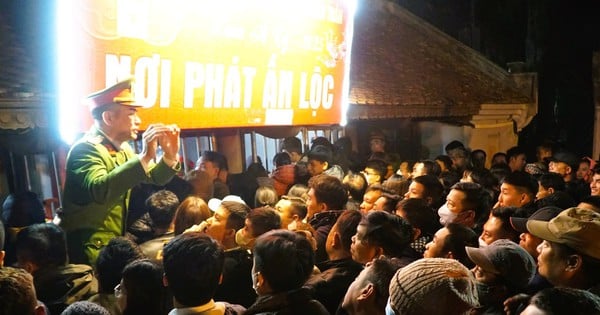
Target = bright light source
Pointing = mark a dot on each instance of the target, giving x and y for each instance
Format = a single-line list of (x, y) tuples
[(65, 73), (352, 5)]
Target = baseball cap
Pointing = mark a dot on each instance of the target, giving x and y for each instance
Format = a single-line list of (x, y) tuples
[(119, 93), (543, 214), (566, 157), (576, 228), (215, 203), (507, 259)]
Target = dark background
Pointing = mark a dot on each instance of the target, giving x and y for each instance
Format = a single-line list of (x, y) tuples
[(555, 38)]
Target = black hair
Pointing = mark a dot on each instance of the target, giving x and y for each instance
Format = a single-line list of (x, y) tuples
[(562, 300), (193, 264), (444, 159), (391, 200), (476, 199), (346, 227), (263, 220), (161, 208), (590, 265), (514, 152), (216, 158), (22, 209), (237, 214), (458, 237), (433, 188), (523, 183), (356, 184), (43, 244), (478, 158), (145, 293), (380, 273), (284, 258), (504, 214), (329, 190), (292, 144), (379, 166), (111, 261), (281, 159), (419, 215), (390, 232), (17, 292), (552, 180), (431, 167)]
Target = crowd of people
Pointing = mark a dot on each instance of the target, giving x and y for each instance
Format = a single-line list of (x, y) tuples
[(325, 232)]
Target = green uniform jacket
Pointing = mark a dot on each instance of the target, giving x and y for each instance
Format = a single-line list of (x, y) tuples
[(96, 193)]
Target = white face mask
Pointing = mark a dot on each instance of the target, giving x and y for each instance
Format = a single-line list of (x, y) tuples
[(446, 216), (482, 243), (242, 240), (388, 309)]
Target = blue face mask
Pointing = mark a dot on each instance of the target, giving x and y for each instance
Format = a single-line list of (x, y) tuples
[(388, 309)]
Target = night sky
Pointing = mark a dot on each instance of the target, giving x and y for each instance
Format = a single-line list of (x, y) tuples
[(555, 38)]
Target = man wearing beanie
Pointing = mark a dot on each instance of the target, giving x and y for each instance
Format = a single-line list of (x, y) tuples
[(440, 286), (502, 269)]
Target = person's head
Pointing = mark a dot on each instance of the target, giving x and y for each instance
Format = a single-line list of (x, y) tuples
[(499, 158), (387, 202), (450, 242), (298, 190), (2, 238), (290, 209), (141, 289), (528, 241), (418, 215), (111, 261), (340, 236), (283, 261), (517, 190), (466, 203), (293, 147), (202, 184), (570, 254), (461, 158), (211, 163), (584, 171), (325, 193), (498, 225), (369, 292), (595, 181), (161, 207), (85, 308), (481, 176), (516, 158), (375, 171), (192, 210), (115, 111), (265, 196), (281, 159), (432, 286), (356, 185), (425, 167), (478, 158), (553, 301), (548, 184), (380, 233), (444, 162), (258, 222), (17, 293), (565, 164), (544, 152), (371, 195), (319, 159), (503, 267), (229, 217), (376, 141), (41, 246), (20, 210), (427, 187), (454, 144), (193, 264)]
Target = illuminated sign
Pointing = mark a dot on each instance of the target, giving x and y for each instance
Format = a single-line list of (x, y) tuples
[(207, 64)]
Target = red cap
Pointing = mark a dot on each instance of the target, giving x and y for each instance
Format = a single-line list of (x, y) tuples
[(120, 93)]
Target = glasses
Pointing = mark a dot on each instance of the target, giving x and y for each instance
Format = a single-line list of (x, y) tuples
[(118, 291)]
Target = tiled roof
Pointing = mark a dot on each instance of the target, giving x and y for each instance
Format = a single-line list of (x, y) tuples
[(402, 67)]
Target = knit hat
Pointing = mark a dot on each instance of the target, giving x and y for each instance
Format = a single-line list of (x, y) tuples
[(433, 286)]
